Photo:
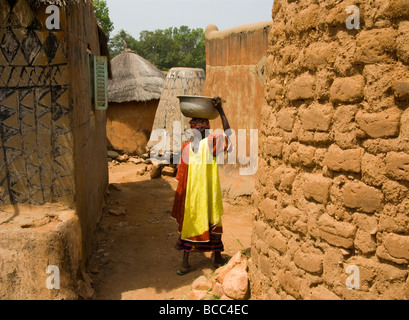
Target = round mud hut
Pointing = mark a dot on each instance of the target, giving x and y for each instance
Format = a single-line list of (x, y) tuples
[(179, 81), (133, 93)]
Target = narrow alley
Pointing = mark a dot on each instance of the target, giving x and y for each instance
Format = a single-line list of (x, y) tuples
[(134, 257)]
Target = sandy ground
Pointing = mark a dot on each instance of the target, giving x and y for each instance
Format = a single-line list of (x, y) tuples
[(134, 256)]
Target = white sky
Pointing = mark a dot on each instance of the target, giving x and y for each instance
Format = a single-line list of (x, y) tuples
[(135, 16)]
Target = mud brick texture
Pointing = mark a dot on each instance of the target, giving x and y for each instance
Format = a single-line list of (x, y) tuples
[(333, 179)]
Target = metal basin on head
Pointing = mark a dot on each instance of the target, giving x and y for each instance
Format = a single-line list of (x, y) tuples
[(198, 107)]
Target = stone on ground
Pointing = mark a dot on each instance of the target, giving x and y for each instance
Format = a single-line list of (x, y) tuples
[(236, 283), (113, 154), (156, 171), (136, 160), (230, 282), (169, 172)]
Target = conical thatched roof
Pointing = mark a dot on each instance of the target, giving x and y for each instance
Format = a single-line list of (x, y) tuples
[(134, 79)]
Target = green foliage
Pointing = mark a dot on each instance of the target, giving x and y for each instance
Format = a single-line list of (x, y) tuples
[(168, 48), (243, 250), (102, 14), (116, 43), (216, 297)]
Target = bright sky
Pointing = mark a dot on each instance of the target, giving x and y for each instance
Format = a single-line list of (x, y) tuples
[(135, 16)]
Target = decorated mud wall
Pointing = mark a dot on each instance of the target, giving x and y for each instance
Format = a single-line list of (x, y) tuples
[(235, 71), (333, 180), (36, 134), (52, 143)]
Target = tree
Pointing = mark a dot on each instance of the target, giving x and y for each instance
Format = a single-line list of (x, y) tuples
[(172, 47), (101, 11), (116, 43)]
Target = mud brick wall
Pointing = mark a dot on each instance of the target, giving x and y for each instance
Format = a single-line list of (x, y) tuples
[(88, 125), (129, 125), (235, 61), (235, 71), (333, 181)]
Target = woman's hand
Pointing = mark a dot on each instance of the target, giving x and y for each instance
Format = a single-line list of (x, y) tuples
[(217, 103)]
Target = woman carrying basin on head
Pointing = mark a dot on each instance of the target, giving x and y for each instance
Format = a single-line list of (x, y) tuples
[(198, 205)]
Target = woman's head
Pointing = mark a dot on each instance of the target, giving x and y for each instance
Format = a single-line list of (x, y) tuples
[(200, 124)]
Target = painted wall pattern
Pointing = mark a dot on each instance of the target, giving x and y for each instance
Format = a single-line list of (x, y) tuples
[(36, 141), (179, 81)]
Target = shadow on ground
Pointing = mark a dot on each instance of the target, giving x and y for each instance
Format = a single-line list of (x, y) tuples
[(134, 256)]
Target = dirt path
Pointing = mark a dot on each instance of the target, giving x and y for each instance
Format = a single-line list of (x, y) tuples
[(134, 258)]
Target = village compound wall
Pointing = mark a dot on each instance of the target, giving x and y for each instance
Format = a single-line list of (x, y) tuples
[(333, 180)]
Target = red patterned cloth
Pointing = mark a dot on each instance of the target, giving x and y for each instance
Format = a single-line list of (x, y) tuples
[(215, 244)]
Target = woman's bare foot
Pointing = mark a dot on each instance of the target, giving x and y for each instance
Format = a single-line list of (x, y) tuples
[(184, 271), (185, 268)]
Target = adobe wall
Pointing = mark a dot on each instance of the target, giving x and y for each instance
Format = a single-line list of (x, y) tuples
[(235, 64), (129, 125), (53, 172), (88, 125), (333, 181)]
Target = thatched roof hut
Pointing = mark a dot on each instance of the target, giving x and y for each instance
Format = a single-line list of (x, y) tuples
[(134, 79), (179, 81), (133, 94)]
